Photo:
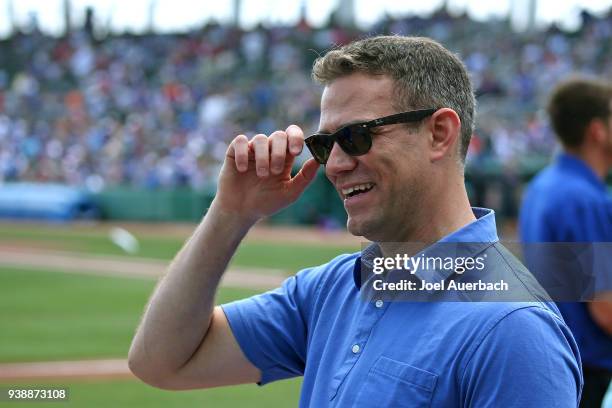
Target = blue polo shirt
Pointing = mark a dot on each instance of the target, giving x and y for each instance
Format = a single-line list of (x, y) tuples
[(567, 202), (355, 353)]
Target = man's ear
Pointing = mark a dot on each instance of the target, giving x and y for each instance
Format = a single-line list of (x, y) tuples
[(596, 131), (445, 133)]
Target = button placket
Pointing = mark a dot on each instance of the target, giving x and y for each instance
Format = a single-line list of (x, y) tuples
[(360, 336)]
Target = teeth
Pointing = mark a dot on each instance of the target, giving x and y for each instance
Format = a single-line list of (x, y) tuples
[(359, 187)]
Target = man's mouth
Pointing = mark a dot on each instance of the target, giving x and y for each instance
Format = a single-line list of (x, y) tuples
[(356, 190)]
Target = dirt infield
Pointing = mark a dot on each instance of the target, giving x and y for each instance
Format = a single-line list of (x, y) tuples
[(255, 278), (261, 232), (64, 370)]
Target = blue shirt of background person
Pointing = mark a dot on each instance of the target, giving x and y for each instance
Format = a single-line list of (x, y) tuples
[(568, 202), (354, 353)]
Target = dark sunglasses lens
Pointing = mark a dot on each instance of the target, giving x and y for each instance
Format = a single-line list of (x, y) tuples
[(320, 147), (355, 140)]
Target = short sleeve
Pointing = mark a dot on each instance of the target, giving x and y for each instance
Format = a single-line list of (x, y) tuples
[(528, 359), (271, 328)]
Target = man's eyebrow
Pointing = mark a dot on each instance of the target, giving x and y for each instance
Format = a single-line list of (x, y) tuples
[(352, 122)]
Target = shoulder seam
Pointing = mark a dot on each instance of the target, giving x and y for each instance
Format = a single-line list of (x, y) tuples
[(507, 264)]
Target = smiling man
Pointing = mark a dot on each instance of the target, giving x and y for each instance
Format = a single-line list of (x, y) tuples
[(396, 119)]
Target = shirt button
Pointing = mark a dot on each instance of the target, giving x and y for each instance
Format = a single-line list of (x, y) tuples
[(379, 303), (355, 349)]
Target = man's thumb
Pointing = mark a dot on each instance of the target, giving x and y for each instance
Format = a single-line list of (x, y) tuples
[(304, 177)]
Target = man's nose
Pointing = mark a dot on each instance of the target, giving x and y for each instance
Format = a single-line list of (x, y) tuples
[(339, 162)]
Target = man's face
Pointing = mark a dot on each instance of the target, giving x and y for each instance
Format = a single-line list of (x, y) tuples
[(394, 171)]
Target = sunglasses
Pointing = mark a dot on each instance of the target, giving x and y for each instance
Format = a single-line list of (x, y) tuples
[(356, 139)]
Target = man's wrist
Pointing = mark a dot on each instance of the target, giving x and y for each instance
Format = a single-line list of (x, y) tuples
[(229, 220)]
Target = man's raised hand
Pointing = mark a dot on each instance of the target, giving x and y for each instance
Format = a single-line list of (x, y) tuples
[(255, 179)]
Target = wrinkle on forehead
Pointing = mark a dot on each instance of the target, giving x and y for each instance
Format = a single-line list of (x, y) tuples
[(353, 98)]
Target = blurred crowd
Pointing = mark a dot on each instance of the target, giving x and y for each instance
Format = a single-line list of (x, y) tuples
[(158, 110)]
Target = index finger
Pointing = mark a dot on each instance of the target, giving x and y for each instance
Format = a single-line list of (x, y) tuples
[(240, 146), (296, 139)]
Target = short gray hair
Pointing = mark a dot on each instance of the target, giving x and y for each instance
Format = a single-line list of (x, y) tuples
[(427, 74)]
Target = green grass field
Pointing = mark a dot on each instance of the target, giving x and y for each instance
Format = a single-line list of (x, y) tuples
[(62, 316), (46, 315), (132, 393)]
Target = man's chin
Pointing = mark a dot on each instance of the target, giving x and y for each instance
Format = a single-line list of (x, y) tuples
[(372, 229), (357, 227)]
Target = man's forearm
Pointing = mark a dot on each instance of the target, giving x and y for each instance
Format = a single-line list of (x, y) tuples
[(183, 341), (179, 312)]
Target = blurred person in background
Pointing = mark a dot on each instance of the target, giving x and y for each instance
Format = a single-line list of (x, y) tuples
[(568, 202), (397, 115)]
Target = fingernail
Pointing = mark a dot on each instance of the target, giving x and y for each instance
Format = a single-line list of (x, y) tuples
[(277, 170), (262, 172)]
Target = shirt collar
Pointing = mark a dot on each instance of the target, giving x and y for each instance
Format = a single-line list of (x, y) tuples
[(581, 168), (475, 236)]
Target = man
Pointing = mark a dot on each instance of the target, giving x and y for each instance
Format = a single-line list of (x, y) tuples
[(567, 202), (401, 180)]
